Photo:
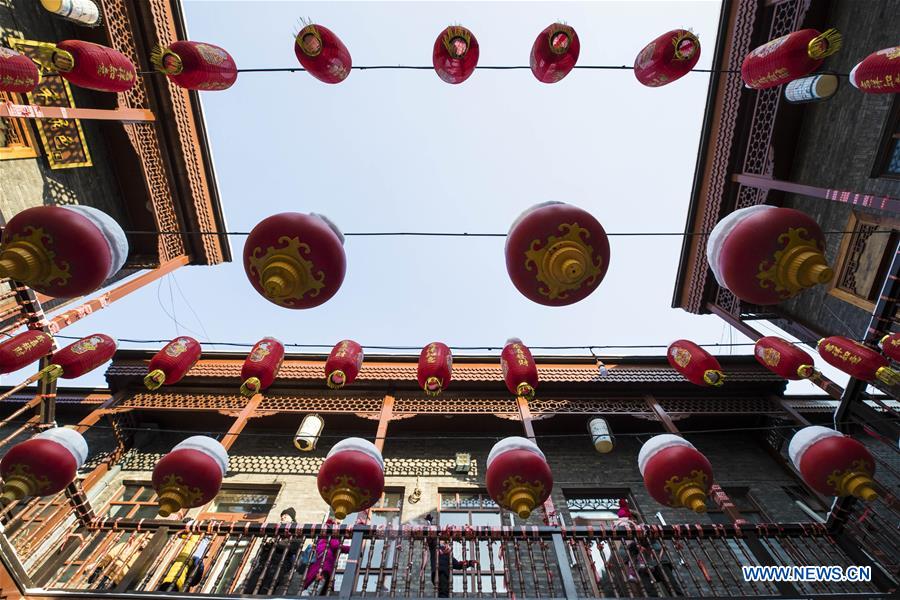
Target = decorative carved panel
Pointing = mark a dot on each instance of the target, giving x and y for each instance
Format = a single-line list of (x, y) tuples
[(185, 401), (697, 406), (325, 401)]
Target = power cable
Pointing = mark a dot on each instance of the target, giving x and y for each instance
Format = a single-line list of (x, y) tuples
[(467, 234)]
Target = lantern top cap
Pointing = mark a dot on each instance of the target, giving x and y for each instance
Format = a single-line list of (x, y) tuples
[(805, 438), (208, 446), (112, 233), (657, 444), (360, 445), (721, 232), (513, 443), (530, 210), (513, 340), (331, 225), (69, 439)]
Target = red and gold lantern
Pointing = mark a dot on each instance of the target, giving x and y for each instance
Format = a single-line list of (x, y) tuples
[(62, 251), (556, 253), (90, 65), (190, 475), (80, 357), (352, 477), (261, 366), (195, 65), (765, 254), (878, 73), (343, 364), (172, 363), (295, 260), (554, 53), (696, 364), (889, 344), (784, 358), (675, 473), (857, 360), (43, 465), (322, 54), (518, 477), (20, 351), (519, 369), (788, 57), (455, 54), (832, 463), (435, 368), (18, 73), (669, 57)]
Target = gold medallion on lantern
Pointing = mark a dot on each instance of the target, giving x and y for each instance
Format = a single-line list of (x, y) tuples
[(284, 273), (563, 263), (797, 266)]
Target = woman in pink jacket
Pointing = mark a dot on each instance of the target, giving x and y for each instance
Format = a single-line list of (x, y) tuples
[(321, 570)]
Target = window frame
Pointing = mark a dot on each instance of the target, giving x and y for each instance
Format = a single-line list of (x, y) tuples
[(22, 130), (890, 137), (847, 240)]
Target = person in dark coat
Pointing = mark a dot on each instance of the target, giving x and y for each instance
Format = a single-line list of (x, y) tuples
[(283, 556), (443, 563)]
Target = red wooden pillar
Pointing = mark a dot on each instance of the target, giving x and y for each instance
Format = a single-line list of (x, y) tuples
[(885, 204)]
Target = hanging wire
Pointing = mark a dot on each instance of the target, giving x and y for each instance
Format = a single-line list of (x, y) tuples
[(468, 234)]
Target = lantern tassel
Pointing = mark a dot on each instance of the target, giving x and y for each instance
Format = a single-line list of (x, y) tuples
[(525, 390), (158, 59), (888, 376), (250, 387), (336, 380), (714, 377), (824, 44), (806, 371), (154, 379)]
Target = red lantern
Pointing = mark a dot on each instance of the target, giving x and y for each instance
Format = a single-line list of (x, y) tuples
[(788, 57), (784, 358), (352, 477), (322, 54), (343, 364), (554, 53), (832, 463), (675, 473), (518, 477), (190, 475), (519, 369), (878, 73), (18, 73), (62, 251), (435, 368), (80, 357), (455, 54), (261, 366), (43, 465), (556, 253), (857, 360), (295, 260), (669, 57), (20, 351), (889, 344), (765, 254), (172, 363), (90, 66), (696, 364), (195, 65)]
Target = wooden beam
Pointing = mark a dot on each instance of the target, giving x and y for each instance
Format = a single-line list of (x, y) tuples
[(660, 412), (883, 204), (28, 405), (551, 516), (387, 413), (33, 111), (240, 422)]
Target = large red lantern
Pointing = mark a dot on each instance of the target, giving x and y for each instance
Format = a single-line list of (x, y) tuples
[(261, 366), (519, 369), (195, 65), (190, 475), (18, 73), (352, 477), (832, 463), (675, 473), (295, 260), (669, 57), (696, 364), (554, 53), (889, 344), (343, 364), (62, 251), (43, 465), (80, 357), (322, 54), (556, 253), (765, 254), (90, 65), (20, 351), (455, 54), (878, 73), (857, 360), (518, 477), (435, 368), (784, 358), (172, 363), (788, 57)]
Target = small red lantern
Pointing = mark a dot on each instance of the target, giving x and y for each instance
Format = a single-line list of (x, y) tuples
[(889, 344), (554, 53), (352, 477), (455, 54), (90, 65), (295, 260), (20, 351), (519, 369), (878, 73), (195, 65), (784, 358), (343, 364), (857, 360), (556, 253), (675, 473), (18, 73), (832, 463), (765, 254), (80, 357), (190, 475), (172, 363), (43, 465), (261, 366), (322, 54), (518, 477), (696, 364), (669, 57), (788, 57), (435, 368), (62, 251)]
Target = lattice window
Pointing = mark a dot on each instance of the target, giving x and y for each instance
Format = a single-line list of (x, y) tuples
[(887, 158), (864, 259), (718, 405), (16, 138), (133, 500), (588, 406), (186, 401), (325, 401), (449, 403)]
